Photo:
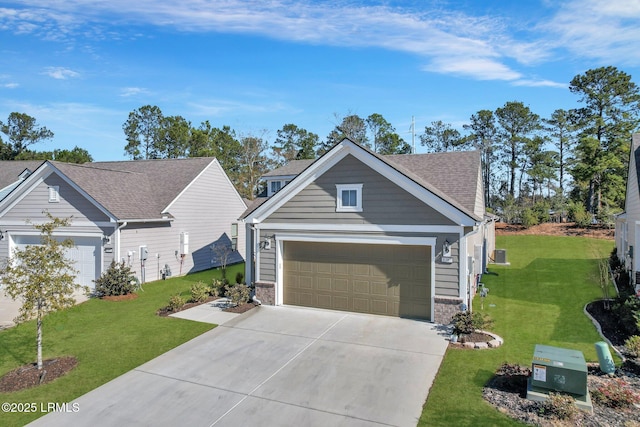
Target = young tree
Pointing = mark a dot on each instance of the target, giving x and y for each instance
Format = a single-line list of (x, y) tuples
[(605, 124), (22, 131), (482, 137), (294, 143), (42, 277), (143, 132), (517, 124), (440, 137)]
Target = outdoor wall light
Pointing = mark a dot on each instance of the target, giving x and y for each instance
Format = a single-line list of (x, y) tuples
[(446, 248)]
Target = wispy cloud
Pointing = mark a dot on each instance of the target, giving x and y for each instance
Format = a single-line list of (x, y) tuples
[(133, 91), (10, 85), (60, 73), (480, 47), (608, 31)]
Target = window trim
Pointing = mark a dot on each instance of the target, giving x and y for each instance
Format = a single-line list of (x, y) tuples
[(54, 193), (348, 187)]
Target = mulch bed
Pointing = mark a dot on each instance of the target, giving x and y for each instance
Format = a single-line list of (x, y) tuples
[(242, 308), (28, 376), (126, 297)]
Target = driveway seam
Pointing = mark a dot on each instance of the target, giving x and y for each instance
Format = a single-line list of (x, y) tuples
[(295, 356)]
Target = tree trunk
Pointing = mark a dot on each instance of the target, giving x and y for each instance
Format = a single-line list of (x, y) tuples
[(39, 339)]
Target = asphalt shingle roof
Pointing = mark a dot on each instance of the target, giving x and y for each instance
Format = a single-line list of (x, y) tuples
[(139, 189)]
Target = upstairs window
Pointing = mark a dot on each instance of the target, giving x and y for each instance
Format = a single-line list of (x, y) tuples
[(276, 186), (54, 195), (349, 198)]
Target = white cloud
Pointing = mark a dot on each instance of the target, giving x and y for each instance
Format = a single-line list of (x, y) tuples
[(60, 73), (10, 85), (133, 91), (607, 31)]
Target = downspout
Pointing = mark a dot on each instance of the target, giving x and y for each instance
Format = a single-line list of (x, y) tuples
[(120, 227), (254, 249)]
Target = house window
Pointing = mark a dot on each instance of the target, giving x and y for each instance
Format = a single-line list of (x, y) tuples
[(275, 186), (234, 236), (349, 198), (54, 195)]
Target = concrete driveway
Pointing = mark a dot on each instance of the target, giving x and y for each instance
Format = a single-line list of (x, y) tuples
[(276, 366)]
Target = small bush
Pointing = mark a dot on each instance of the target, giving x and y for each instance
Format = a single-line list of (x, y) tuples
[(175, 303), (118, 279), (616, 393), (238, 293), (239, 277), (217, 288), (466, 322), (633, 346), (529, 218), (579, 215), (560, 406), (199, 292)]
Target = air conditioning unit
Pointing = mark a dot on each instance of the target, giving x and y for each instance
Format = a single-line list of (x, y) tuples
[(500, 256)]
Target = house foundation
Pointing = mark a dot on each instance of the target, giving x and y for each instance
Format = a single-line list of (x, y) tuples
[(445, 308), (266, 292)]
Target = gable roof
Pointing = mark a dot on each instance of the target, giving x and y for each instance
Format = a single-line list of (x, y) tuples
[(10, 171), (129, 190), (452, 177)]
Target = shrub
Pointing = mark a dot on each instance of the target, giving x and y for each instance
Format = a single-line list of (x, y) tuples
[(633, 346), (239, 277), (466, 322), (529, 218), (238, 293), (199, 292), (579, 215), (560, 406), (616, 393), (175, 303), (217, 288), (628, 311), (118, 279)]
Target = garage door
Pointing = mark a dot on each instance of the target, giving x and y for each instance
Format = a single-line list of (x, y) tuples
[(85, 254), (392, 280)]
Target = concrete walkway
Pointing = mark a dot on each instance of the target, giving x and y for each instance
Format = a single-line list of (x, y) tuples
[(276, 366)]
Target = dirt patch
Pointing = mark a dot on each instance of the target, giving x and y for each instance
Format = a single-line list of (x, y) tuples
[(126, 297), (241, 308), (556, 229), (28, 376)]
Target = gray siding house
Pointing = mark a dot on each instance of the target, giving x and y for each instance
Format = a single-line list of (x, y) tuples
[(402, 235), (628, 223), (158, 216)]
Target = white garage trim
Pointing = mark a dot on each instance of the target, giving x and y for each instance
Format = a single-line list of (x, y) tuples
[(351, 238)]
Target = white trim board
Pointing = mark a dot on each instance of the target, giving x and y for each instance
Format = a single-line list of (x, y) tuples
[(358, 228)]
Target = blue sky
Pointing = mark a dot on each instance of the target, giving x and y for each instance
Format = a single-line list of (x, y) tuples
[(79, 67)]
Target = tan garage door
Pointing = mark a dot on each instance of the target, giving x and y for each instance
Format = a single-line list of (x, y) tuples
[(392, 280)]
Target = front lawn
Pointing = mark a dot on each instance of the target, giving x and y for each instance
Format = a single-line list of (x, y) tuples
[(538, 299), (108, 338)]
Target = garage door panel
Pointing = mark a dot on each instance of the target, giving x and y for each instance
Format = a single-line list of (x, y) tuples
[(361, 287), (381, 279)]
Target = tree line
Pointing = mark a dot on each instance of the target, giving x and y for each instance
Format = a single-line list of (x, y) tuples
[(575, 159)]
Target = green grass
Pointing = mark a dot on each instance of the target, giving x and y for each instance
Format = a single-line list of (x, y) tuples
[(538, 299), (108, 339)]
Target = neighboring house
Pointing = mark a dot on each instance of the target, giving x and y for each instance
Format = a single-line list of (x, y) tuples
[(176, 213), (628, 223), (402, 235)]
